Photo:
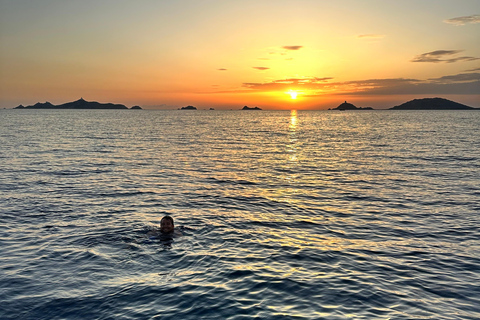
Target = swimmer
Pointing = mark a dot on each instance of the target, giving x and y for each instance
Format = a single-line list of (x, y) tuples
[(167, 228)]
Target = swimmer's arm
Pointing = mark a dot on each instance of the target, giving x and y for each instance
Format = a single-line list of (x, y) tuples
[(152, 233)]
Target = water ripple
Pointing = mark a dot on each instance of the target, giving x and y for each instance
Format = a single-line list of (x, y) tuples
[(344, 215)]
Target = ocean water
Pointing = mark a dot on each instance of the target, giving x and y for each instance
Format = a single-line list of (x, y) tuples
[(284, 214)]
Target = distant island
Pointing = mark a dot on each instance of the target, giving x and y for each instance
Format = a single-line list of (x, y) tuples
[(349, 106), (79, 104), (432, 104), (416, 104)]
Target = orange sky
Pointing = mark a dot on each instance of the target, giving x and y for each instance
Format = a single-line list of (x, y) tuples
[(227, 54)]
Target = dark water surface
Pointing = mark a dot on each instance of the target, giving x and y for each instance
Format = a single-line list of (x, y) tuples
[(285, 215)]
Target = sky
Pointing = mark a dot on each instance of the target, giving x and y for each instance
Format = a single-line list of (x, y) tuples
[(274, 54)]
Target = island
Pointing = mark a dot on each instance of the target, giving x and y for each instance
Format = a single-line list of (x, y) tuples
[(79, 104), (188, 108), (432, 104), (248, 108), (348, 106)]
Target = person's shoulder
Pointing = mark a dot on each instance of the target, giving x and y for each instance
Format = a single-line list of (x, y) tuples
[(177, 233)]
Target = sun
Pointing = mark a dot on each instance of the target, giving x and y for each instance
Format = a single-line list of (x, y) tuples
[(293, 94)]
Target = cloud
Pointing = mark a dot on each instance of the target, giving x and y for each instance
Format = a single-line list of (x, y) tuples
[(374, 86), (464, 83), (282, 51), (452, 84), (462, 77), (425, 88), (292, 47), (460, 21), (472, 70), (261, 68), (434, 56), (371, 36), (310, 83), (440, 56), (222, 69)]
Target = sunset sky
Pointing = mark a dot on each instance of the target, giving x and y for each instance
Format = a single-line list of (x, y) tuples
[(227, 54)]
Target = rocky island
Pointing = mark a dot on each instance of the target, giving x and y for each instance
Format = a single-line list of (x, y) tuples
[(79, 104), (349, 106), (188, 108), (248, 108), (432, 104)]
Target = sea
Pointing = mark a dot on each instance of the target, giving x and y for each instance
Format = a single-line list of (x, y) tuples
[(371, 214)]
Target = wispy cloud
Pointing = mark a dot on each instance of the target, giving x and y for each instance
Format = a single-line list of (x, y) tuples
[(460, 21), (222, 69), (312, 85), (282, 51), (371, 36), (442, 56), (425, 87), (284, 84), (472, 70), (461, 77), (464, 83), (292, 47), (261, 68), (451, 84)]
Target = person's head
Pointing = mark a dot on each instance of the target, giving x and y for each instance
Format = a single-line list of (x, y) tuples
[(166, 224)]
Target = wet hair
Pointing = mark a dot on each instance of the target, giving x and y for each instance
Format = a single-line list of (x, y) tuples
[(167, 218)]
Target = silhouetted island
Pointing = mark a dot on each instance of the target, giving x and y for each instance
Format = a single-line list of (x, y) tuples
[(79, 104), (432, 104), (188, 108), (248, 108), (348, 106)]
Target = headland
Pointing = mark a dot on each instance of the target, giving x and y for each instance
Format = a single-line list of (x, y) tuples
[(79, 104)]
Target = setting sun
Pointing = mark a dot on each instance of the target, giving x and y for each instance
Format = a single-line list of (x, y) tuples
[(293, 94)]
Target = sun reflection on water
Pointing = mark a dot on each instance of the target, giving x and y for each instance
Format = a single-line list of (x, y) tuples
[(293, 119), (292, 128)]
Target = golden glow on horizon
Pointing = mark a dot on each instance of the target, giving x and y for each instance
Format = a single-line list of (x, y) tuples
[(323, 56)]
